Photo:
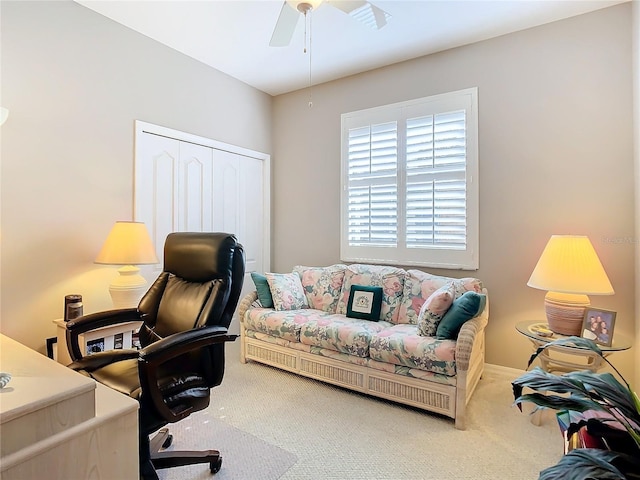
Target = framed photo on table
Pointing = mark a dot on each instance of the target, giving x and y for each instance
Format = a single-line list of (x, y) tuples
[(598, 325)]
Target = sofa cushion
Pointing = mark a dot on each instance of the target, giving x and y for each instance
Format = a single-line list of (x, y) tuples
[(340, 333), (464, 308), (322, 285), (434, 309), (365, 302), (286, 290), (284, 324), (401, 345), (262, 289), (391, 279), (419, 286)]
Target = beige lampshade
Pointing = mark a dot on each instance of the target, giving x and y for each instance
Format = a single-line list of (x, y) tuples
[(569, 264), (128, 243)]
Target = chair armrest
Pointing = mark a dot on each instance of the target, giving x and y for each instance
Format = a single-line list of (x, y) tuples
[(153, 356), (98, 360), (93, 321), (182, 342), (467, 337), (246, 303)]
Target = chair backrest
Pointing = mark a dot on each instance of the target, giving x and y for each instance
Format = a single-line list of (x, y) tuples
[(200, 285)]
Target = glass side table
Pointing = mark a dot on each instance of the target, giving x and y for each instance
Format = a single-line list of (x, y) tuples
[(567, 359)]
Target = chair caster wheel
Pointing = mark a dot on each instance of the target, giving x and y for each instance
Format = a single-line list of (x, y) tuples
[(215, 466), (168, 441)]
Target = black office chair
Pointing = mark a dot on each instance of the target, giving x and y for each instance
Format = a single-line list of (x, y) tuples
[(185, 315)]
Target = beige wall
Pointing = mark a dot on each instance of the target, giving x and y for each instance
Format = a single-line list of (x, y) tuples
[(636, 133), (75, 82), (556, 157)]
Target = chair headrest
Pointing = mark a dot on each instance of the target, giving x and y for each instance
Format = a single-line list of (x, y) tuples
[(199, 256)]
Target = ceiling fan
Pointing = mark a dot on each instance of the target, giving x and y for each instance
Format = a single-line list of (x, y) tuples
[(291, 11)]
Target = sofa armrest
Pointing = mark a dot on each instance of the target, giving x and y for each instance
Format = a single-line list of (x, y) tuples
[(467, 337), (246, 303)]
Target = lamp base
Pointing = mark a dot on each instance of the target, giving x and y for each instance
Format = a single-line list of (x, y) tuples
[(128, 287), (565, 312)]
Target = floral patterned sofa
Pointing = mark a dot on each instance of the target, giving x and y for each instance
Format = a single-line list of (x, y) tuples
[(303, 322)]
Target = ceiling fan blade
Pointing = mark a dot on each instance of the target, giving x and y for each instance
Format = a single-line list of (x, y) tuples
[(285, 26), (365, 12)]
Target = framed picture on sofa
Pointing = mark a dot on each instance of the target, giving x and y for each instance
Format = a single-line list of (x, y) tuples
[(598, 325)]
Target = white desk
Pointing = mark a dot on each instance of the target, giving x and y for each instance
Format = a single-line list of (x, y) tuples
[(57, 423)]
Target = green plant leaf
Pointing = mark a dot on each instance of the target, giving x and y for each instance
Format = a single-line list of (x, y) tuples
[(556, 402), (593, 463), (539, 380), (586, 391), (602, 389), (574, 342)]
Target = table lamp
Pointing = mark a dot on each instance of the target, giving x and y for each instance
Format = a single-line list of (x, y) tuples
[(569, 269), (128, 244)]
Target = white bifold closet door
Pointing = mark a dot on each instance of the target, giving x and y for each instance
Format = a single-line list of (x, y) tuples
[(185, 183)]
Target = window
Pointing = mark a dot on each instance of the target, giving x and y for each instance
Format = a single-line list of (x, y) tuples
[(409, 183)]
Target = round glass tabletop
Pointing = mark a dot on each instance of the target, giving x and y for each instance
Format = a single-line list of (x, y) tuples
[(539, 331)]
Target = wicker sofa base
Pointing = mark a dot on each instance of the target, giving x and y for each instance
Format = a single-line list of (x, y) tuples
[(448, 400)]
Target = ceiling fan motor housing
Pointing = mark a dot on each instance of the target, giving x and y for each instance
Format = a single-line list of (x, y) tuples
[(306, 6)]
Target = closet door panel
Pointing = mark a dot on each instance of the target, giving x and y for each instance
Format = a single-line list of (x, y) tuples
[(226, 184), (251, 233), (194, 189), (156, 163)]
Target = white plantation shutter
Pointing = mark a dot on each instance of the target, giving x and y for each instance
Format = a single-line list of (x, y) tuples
[(372, 196), (436, 214), (410, 193), (435, 185)]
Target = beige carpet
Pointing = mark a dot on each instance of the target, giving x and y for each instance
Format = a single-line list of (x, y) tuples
[(296, 428), (239, 451)]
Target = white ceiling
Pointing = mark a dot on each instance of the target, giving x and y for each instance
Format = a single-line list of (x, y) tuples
[(233, 36)]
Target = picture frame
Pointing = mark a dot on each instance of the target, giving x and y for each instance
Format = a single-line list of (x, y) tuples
[(598, 325), (52, 348)]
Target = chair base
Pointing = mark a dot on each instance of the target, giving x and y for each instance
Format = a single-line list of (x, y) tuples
[(164, 459)]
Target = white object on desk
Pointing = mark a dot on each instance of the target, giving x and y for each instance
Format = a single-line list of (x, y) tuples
[(58, 423), (5, 378)]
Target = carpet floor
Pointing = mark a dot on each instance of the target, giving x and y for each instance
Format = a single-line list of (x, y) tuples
[(269, 424)]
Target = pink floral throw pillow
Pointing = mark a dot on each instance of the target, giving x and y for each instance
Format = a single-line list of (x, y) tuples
[(322, 285), (286, 290), (434, 309), (467, 284)]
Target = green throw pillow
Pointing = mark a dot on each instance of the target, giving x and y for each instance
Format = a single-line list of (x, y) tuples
[(365, 302), (262, 287), (464, 308)]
